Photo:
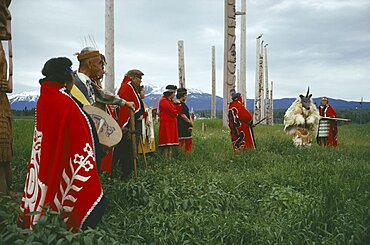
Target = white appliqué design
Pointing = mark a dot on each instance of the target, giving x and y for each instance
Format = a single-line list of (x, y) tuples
[(80, 162), (34, 190)]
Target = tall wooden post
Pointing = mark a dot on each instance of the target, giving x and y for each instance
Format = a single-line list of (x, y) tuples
[(238, 80), (180, 46), (271, 105), (257, 96), (109, 45), (6, 86), (213, 111), (229, 56), (267, 104), (261, 83), (243, 53)]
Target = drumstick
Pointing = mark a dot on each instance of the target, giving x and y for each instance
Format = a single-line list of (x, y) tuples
[(101, 123)]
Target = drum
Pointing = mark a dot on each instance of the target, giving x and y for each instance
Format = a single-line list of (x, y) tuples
[(109, 132)]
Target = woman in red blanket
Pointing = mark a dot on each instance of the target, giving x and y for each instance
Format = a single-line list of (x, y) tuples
[(62, 171), (169, 109), (240, 124)]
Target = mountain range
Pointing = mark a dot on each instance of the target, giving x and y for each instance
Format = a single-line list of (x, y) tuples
[(197, 100)]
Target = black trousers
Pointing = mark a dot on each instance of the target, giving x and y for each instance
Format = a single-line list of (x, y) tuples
[(123, 154)]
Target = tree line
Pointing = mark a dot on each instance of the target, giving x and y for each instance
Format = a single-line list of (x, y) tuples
[(360, 116)]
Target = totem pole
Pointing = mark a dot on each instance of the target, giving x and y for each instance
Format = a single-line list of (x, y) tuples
[(213, 111), (257, 115), (267, 93), (229, 56), (6, 86), (243, 53), (180, 45), (109, 45), (271, 116)]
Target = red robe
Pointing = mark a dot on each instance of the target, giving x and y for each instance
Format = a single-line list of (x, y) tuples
[(240, 130), (62, 171), (329, 111), (128, 93), (167, 132)]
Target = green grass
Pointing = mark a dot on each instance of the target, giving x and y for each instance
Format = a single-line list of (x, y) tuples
[(277, 194)]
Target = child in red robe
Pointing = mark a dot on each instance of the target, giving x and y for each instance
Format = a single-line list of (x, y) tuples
[(240, 124)]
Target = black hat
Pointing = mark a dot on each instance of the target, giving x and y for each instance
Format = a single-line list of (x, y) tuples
[(57, 70), (169, 90), (181, 92), (234, 96)]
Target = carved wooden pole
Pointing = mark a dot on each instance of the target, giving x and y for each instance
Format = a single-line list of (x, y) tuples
[(271, 105), (229, 56), (213, 111), (180, 46), (243, 54), (238, 80), (109, 45), (257, 96), (261, 84), (267, 104), (6, 86)]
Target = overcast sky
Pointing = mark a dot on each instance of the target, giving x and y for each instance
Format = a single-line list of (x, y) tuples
[(324, 44)]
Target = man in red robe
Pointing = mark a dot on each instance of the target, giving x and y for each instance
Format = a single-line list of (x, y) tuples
[(169, 109), (129, 91), (62, 172), (327, 134), (240, 124)]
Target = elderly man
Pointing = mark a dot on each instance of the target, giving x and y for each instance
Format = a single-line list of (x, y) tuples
[(129, 90), (328, 131), (85, 89)]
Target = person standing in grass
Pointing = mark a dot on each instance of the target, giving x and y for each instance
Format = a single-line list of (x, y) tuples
[(184, 123), (62, 171), (328, 131), (169, 109), (240, 124), (129, 90)]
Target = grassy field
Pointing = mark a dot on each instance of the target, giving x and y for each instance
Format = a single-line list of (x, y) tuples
[(277, 194)]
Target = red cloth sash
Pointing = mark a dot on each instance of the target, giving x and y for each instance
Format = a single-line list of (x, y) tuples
[(167, 132), (128, 93), (62, 171), (240, 129)]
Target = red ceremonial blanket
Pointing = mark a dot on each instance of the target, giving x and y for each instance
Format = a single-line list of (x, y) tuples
[(62, 170), (168, 132), (128, 93), (240, 129)]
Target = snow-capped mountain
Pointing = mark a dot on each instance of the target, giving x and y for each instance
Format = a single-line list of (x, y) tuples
[(24, 100), (197, 99)]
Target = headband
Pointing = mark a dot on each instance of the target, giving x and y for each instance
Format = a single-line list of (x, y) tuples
[(87, 55)]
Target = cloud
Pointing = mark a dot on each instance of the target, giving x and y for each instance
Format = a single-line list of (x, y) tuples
[(320, 43)]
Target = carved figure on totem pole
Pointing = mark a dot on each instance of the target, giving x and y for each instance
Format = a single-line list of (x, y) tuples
[(6, 86)]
